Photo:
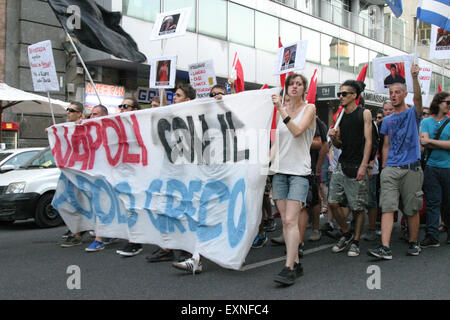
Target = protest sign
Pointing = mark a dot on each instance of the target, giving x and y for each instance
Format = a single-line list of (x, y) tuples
[(390, 70), (186, 176), (42, 65), (171, 24), (425, 73), (202, 77), (111, 96), (163, 72), (439, 44), (291, 58)]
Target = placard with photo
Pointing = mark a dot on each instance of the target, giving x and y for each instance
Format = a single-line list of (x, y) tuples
[(163, 72), (291, 58), (390, 70), (171, 24), (440, 43)]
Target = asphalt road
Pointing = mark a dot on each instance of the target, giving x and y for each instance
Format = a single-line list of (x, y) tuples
[(33, 266)]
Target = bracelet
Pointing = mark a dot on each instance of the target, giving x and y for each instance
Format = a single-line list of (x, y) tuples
[(369, 167), (286, 121)]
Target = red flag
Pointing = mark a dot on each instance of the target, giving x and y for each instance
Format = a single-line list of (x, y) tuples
[(239, 84), (440, 88), (362, 78), (311, 97), (265, 87)]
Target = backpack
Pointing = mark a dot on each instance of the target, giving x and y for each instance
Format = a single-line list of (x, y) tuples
[(375, 136)]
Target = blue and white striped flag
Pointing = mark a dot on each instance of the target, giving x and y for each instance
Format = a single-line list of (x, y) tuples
[(396, 7), (435, 12)]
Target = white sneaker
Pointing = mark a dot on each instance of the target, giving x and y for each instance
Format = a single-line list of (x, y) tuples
[(188, 265), (316, 235), (353, 251)]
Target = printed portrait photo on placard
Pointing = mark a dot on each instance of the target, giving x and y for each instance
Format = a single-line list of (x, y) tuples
[(442, 39), (439, 44), (169, 24), (396, 74), (289, 56), (163, 73)]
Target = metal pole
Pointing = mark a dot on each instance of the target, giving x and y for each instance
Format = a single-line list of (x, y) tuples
[(51, 107), (84, 65), (1, 117)]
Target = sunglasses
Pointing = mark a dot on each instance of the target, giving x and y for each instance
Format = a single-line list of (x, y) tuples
[(425, 114), (125, 106), (379, 117), (448, 102), (212, 95), (344, 94), (72, 110)]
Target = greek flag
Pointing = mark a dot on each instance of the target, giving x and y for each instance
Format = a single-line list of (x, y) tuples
[(435, 12), (396, 7)]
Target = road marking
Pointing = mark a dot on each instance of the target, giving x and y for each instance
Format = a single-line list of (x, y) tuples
[(275, 260)]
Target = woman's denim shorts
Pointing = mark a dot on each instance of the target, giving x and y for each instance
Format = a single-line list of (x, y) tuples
[(289, 187)]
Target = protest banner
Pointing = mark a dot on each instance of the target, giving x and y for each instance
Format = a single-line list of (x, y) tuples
[(189, 176), (171, 24), (202, 77), (425, 73), (163, 72), (42, 65), (291, 58), (439, 44), (390, 70), (111, 96)]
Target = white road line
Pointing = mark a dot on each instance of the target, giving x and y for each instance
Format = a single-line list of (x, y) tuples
[(275, 260)]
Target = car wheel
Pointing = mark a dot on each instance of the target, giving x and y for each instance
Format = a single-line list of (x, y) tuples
[(46, 215)]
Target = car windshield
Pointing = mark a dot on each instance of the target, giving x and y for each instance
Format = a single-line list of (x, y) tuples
[(3, 155), (21, 158), (43, 160)]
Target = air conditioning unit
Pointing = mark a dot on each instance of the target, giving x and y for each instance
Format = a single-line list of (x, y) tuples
[(425, 42), (96, 73)]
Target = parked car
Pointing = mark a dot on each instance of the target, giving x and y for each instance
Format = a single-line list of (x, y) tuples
[(11, 159), (27, 192)]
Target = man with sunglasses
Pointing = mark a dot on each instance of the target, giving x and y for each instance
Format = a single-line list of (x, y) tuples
[(217, 92), (129, 104), (74, 112), (402, 175), (349, 183)]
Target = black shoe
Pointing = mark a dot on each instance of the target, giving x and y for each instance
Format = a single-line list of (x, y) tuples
[(381, 252), (298, 269), (414, 249), (270, 225), (161, 255), (286, 277), (429, 242), (183, 256), (131, 250)]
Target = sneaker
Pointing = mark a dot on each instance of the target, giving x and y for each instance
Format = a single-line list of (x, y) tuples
[(131, 250), (270, 225), (108, 241), (71, 241), (353, 251), (342, 244), (161, 255), (370, 235), (414, 249), (298, 269), (286, 277), (278, 240), (66, 235), (429, 242), (316, 235), (183, 255), (301, 248), (95, 246), (260, 241), (381, 252), (188, 265)]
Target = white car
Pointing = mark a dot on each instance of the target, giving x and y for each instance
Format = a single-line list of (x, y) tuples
[(27, 192), (12, 159)]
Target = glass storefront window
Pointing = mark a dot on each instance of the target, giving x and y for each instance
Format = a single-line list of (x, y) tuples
[(346, 56), (212, 19), (289, 32), (329, 51), (241, 25), (141, 9), (170, 5), (313, 51), (266, 36), (361, 58)]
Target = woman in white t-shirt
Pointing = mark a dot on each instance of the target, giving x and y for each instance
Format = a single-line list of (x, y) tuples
[(291, 166)]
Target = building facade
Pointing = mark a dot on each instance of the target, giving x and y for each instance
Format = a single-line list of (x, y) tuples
[(343, 36)]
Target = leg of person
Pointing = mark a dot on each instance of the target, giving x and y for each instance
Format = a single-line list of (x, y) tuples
[(446, 201), (261, 239), (372, 212), (336, 196), (433, 196), (302, 226)]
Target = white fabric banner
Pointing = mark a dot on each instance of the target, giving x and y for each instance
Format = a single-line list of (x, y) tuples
[(188, 176), (42, 65), (390, 70), (439, 44)]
